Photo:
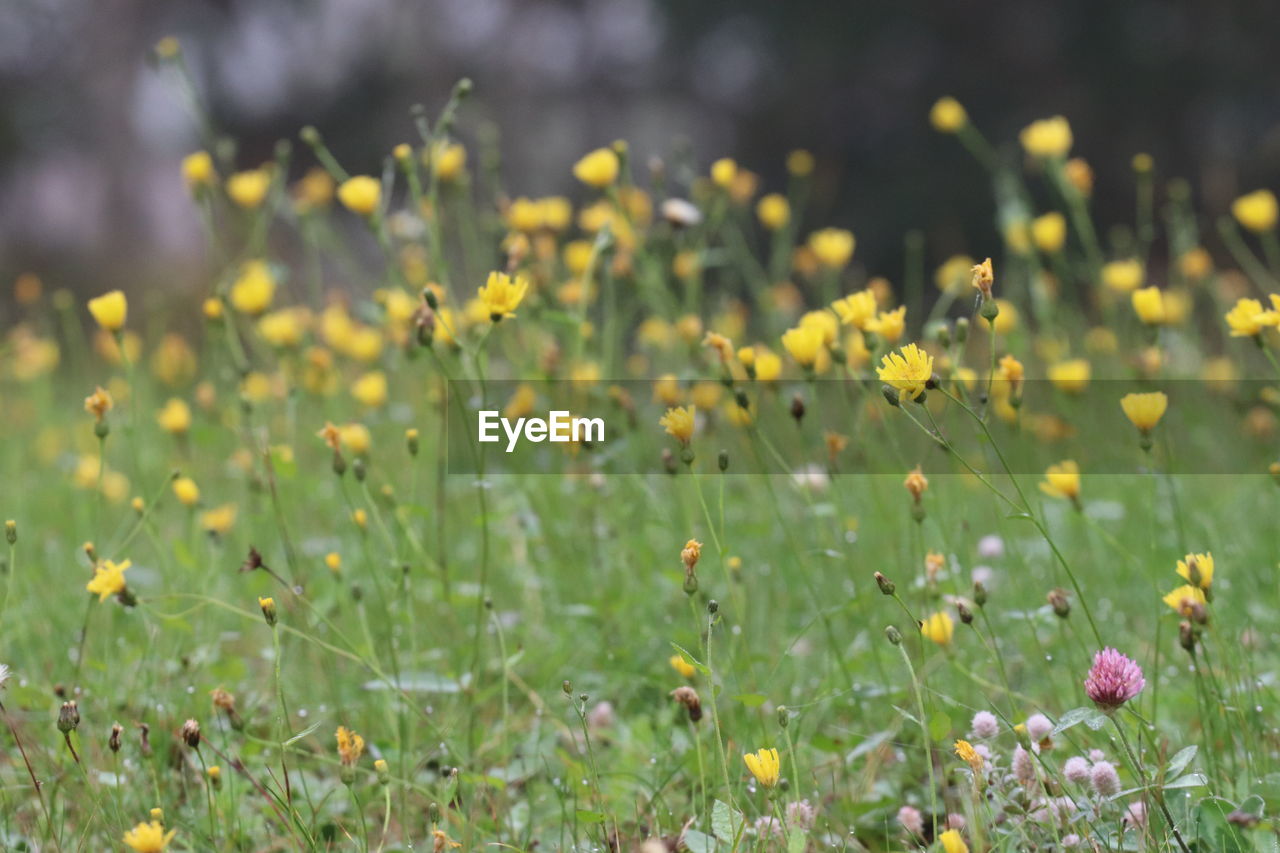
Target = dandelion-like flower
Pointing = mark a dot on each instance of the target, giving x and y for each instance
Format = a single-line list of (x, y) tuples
[(502, 294), (1113, 680), (765, 765), (108, 579), (149, 837), (1197, 569), (110, 310), (350, 746), (1062, 481), (1185, 599), (98, 403), (1145, 410), (1248, 318), (948, 115), (953, 842), (678, 422), (908, 371), (803, 343), (966, 753), (938, 628)]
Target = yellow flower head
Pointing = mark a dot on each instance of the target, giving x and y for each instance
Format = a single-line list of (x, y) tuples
[(371, 389), (889, 324), (953, 842), (983, 277), (723, 171), (1048, 137), (599, 168), (803, 343), (948, 115), (1123, 276), (799, 163), (149, 837), (1049, 232), (175, 417), (110, 310), (678, 422), (1248, 318), (1197, 569), (198, 170), (1062, 480), (1145, 410), (186, 491), (502, 294), (916, 483), (938, 628), (108, 579), (98, 403), (449, 160), (1148, 304), (350, 746), (773, 211), (1256, 211), (833, 247), (1185, 598), (248, 189), (764, 765), (856, 309), (1071, 376), (907, 370), (218, 520), (360, 194), (768, 365), (969, 755), (254, 289), (682, 666)]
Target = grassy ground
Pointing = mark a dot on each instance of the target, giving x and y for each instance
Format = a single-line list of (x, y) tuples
[(526, 652)]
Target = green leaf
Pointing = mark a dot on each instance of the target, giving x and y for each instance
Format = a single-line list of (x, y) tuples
[(1191, 780), (796, 841), (697, 664), (699, 842), (1095, 719), (1212, 829), (585, 816), (939, 726), (300, 735), (1179, 762), (726, 822)]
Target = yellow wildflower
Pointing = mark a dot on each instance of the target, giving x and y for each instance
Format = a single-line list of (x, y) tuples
[(966, 753), (149, 837), (1184, 599), (908, 370), (1146, 409), (598, 169), (1148, 304), (948, 115), (1256, 211), (110, 310), (803, 343), (1049, 232), (350, 745), (248, 189), (198, 170), (889, 325), (370, 389), (254, 289), (833, 247), (175, 417), (1248, 318), (108, 579), (360, 194), (723, 171), (856, 309), (186, 491), (1071, 376), (1062, 480), (682, 666), (501, 294), (678, 422), (764, 765), (773, 211), (1197, 569), (938, 628), (1048, 137), (1123, 276), (98, 403), (953, 842)]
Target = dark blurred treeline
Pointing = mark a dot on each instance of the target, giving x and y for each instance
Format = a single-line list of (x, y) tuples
[(91, 136)]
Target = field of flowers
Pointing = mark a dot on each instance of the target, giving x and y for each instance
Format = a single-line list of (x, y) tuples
[(978, 560)]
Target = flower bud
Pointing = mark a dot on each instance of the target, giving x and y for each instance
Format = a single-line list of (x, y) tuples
[(113, 742), (784, 716), (384, 773), (979, 593), (11, 531), (411, 441), (966, 615), (68, 717), (723, 461), (890, 395), (886, 586), (894, 635), (268, 606), (962, 330), (1057, 599), (797, 408)]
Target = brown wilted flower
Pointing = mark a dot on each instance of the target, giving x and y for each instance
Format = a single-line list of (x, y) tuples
[(191, 734), (98, 403), (983, 278), (916, 484), (688, 697), (113, 742)]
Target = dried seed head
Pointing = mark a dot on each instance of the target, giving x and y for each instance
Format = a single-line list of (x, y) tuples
[(688, 697), (1058, 600), (68, 717), (191, 734), (113, 743)]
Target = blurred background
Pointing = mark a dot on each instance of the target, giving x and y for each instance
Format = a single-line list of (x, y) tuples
[(91, 135)]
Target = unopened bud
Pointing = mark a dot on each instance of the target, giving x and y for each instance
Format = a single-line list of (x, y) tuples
[(268, 606), (966, 615), (358, 468), (894, 635), (797, 408), (723, 460), (68, 717), (784, 716), (411, 441), (979, 593), (713, 607), (384, 772), (11, 531), (567, 687), (886, 586), (962, 330), (113, 742), (1187, 637), (890, 395), (1057, 599)]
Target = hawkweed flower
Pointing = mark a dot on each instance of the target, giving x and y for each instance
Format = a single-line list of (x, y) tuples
[(186, 491), (1197, 569), (689, 556), (110, 310), (215, 777), (198, 171), (1123, 276), (953, 842), (1185, 600), (360, 194), (1148, 304), (440, 841), (682, 666), (764, 765), (254, 288), (502, 294), (833, 247), (983, 277), (722, 345), (1047, 138), (804, 344), (916, 484), (1113, 680), (773, 211), (248, 189), (938, 628), (1144, 410), (268, 605), (908, 371), (99, 403), (350, 748), (175, 417), (108, 579), (1248, 318), (679, 422), (149, 837), (966, 753), (1062, 480), (856, 309), (1071, 376), (947, 115), (1256, 211), (598, 168)]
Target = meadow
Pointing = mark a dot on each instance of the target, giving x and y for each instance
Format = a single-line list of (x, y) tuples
[(978, 560)]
